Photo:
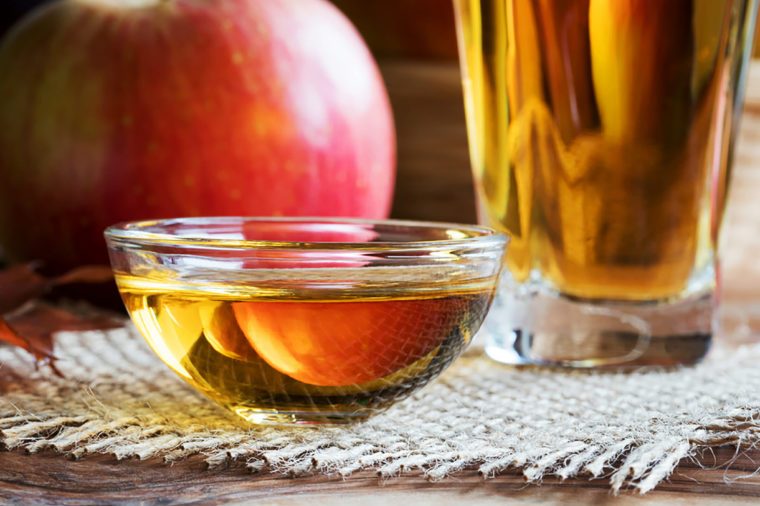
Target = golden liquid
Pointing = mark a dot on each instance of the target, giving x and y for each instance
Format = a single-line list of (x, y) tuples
[(600, 135), (262, 351)]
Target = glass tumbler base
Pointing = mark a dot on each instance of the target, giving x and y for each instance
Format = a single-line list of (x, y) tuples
[(551, 329)]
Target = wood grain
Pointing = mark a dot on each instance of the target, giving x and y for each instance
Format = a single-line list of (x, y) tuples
[(434, 180), (51, 479), (434, 183)]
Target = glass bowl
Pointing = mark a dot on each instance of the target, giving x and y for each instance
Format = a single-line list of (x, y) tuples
[(290, 321)]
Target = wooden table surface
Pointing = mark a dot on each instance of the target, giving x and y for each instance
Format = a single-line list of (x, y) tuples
[(434, 183)]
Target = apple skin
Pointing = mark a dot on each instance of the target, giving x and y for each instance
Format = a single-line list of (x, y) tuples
[(116, 110)]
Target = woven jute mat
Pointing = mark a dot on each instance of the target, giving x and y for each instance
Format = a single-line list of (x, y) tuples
[(117, 398)]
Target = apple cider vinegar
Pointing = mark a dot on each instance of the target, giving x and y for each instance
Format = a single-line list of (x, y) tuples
[(596, 130), (259, 350)]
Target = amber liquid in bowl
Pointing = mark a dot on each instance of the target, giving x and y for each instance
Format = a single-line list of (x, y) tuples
[(297, 355)]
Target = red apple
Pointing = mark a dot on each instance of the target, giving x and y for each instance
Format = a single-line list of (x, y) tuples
[(119, 110)]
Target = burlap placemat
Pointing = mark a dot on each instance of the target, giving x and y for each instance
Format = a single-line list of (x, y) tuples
[(117, 398)]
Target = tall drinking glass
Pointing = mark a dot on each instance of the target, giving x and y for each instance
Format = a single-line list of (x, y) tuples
[(601, 136)]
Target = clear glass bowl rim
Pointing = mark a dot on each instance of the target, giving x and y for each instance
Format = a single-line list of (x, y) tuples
[(135, 233)]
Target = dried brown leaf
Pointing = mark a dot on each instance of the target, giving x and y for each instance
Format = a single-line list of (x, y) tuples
[(20, 284), (10, 336), (87, 274), (31, 325), (41, 347), (40, 321)]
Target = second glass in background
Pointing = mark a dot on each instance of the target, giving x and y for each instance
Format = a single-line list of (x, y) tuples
[(601, 134)]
